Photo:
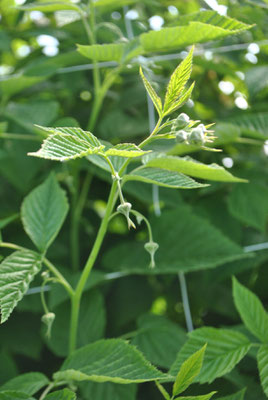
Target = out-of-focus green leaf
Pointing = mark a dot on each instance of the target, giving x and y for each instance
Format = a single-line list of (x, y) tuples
[(29, 383)]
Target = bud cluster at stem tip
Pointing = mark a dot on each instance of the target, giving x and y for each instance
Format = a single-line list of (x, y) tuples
[(187, 133)]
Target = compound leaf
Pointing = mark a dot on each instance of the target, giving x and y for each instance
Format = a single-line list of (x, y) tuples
[(251, 311), (43, 212), (16, 273)]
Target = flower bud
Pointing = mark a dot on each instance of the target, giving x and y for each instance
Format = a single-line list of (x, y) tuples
[(197, 136), (48, 320), (151, 247), (182, 121), (181, 136), (124, 209)]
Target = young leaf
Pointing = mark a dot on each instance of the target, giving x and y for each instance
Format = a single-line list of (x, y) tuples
[(225, 348), (17, 272), (111, 360), (185, 96), (67, 143), (64, 394), (188, 371), (29, 383), (189, 166), (152, 93), (251, 311), (262, 358), (177, 82), (103, 52), (43, 212), (163, 177), (202, 397)]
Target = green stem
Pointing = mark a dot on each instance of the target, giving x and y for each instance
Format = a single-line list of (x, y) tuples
[(17, 136), (76, 298), (47, 390)]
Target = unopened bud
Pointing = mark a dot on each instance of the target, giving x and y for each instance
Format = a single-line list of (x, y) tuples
[(48, 320), (124, 209), (151, 247), (197, 136), (181, 136), (182, 120)]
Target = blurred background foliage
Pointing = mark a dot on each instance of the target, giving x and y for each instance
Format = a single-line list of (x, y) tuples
[(205, 233)]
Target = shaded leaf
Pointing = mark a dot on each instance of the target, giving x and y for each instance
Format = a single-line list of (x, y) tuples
[(16, 273), (225, 348), (202, 397), (110, 360), (163, 177), (108, 390), (236, 396), (159, 339), (185, 244), (251, 311), (64, 394), (43, 212), (14, 395)]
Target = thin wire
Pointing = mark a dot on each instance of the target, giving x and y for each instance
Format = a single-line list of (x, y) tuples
[(256, 247), (185, 302)]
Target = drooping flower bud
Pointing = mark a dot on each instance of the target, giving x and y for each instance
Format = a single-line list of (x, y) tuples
[(48, 320), (151, 247), (181, 136), (197, 137), (124, 209)]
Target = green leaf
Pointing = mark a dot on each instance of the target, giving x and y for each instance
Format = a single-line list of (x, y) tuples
[(14, 395), (64, 394), (103, 52), (251, 311), (262, 358), (177, 82), (202, 397), (189, 166), (188, 371), (67, 143), (225, 348), (50, 6), (128, 150), (185, 96), (110, 360), (112, 3), (150, 90), (198, 28), (43, 212), (236, 396), (252, 125), (200, 246), (249, 204), (16, 273), (158, 339), (162, 177), (29, 383)]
